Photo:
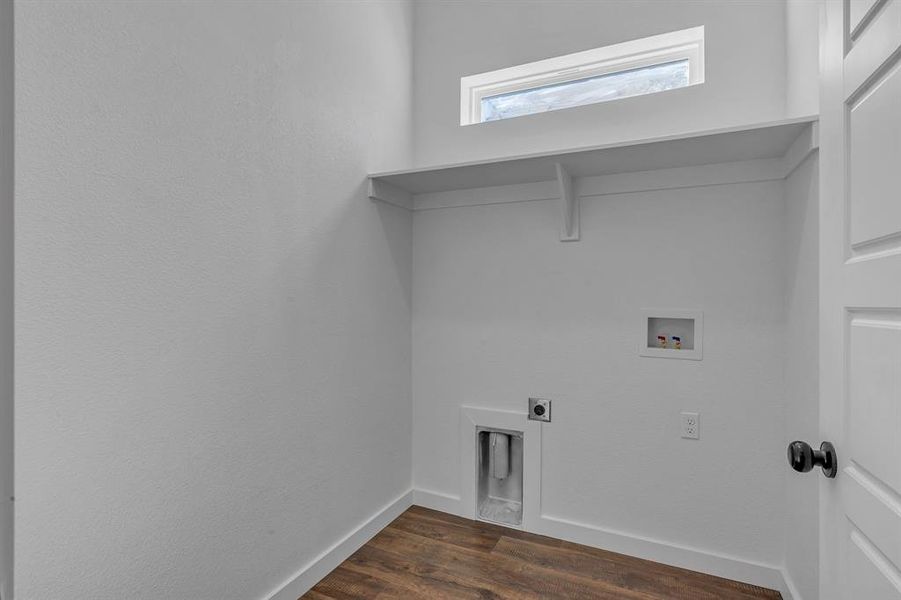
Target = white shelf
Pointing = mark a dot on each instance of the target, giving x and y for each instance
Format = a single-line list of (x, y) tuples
[(785, 143), (756, 141)]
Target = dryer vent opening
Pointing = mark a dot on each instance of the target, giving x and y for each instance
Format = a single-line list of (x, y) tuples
[(500, 476)]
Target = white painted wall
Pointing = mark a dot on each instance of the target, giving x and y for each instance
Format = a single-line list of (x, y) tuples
[(745, 70), (762, 63), (801, 375), (802, 51), (213, 331), (502, 310), (7, 341), (214, 339)]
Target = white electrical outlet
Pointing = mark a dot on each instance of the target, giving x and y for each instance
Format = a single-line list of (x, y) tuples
[(691, 425)]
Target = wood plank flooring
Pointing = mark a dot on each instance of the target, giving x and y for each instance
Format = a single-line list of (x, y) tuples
[(429, 554)]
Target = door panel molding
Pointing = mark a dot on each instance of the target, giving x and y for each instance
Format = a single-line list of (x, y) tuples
[(873, 49), (872, 153), (875, 577), (870, 504), (860, 14)]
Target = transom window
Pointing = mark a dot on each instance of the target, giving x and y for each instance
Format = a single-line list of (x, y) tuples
[(645, 66)]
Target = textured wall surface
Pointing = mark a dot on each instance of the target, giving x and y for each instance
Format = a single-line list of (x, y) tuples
[(745, 70), (802, 402), (802, 53), (214, 357), (504, 311), (6, 295), (214, 322)]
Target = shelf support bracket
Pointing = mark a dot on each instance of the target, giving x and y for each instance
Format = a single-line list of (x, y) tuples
[(569, 203), (385, 192), (804, 145)]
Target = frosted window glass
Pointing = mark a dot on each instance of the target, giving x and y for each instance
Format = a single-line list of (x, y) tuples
[(610, 86)]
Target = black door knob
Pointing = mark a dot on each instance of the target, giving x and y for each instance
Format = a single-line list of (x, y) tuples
[(803, 458)]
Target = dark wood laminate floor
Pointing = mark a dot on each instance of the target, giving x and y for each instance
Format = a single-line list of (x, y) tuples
[(429, 554)]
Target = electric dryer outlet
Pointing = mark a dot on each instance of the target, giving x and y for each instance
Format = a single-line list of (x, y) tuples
[(540, 409)]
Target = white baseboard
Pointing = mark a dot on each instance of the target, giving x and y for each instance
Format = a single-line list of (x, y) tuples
[(310, 574), (789, 590), (720, 565), (438, 501), (704, 561)]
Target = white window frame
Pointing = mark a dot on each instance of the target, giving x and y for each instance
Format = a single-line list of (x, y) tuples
[(685, 44)]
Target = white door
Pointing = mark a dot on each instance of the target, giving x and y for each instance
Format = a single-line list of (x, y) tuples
[(860, 299)]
